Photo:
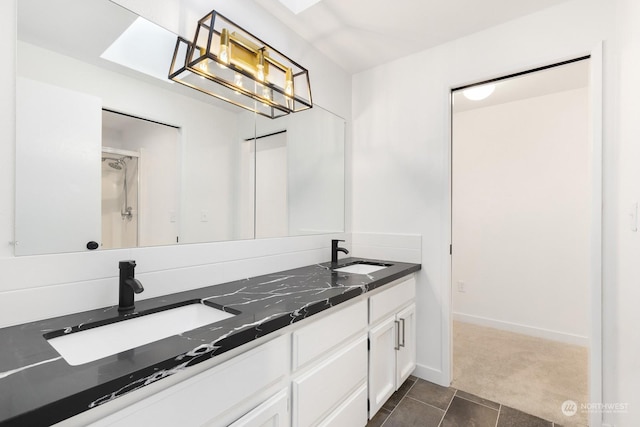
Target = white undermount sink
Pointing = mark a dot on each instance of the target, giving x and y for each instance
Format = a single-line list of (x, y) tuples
[(102, 341), (361, 268)]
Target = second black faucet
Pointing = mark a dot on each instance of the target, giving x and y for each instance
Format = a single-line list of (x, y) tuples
[(335, 249), (128, 285)]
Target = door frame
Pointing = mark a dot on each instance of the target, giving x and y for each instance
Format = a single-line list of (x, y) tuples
[(595, 233)]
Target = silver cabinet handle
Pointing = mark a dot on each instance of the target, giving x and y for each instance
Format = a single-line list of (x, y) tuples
[(397, 344), (402, 320)]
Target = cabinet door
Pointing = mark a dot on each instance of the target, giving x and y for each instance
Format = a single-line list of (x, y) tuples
[(272, 413), (406, 355), (382, 364)]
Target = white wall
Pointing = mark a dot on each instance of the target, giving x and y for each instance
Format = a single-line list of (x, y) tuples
[(316, 159), (400, 149), (316, 205), (159, 181), (36, 287), (271, 207), (621, 247), (520, 216)]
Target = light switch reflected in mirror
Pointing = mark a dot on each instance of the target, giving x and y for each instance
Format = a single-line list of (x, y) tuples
[(195, 170)]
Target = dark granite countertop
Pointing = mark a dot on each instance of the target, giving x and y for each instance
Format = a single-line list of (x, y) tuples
[(39, 388)]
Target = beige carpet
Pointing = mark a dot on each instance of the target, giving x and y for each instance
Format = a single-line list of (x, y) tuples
[(531, 374)]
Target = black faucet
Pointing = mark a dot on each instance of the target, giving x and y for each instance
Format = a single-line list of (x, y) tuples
[(335, 249), (128, 285)]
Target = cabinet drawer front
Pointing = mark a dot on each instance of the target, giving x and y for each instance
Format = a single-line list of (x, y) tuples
[(320, 390), (322, 335), (272, 413), (388, 301), (214, 395), (352, 413)]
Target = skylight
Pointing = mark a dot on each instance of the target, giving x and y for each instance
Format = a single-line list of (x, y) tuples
[(144, 47), (297, 6)]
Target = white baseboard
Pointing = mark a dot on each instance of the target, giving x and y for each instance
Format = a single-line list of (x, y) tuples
[(430, 374), (523, 329)]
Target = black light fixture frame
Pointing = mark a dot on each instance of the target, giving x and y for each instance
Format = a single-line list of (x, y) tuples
[(195, 55)]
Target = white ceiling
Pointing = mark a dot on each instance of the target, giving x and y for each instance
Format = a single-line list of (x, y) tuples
[(360, 34), (357, 37)]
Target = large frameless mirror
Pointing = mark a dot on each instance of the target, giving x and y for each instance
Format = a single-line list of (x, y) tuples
[(112, 154)]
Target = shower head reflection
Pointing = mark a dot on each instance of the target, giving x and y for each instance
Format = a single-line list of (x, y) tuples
[(116, 164)]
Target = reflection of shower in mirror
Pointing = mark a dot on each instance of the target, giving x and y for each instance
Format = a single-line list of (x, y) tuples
[(118, 164), (119, 198)]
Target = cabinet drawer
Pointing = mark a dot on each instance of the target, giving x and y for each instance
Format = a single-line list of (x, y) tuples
[(272, 413), (321, 390), (388, 301), (322, 335), (352, 413), (215, 397)]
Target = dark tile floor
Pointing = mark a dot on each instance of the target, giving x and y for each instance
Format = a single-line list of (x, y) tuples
[(421, 403)]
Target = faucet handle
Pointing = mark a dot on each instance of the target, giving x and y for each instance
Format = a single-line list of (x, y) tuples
[(127, 263)]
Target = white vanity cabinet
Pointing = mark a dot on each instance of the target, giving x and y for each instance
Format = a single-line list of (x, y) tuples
[(392, 353), (330, 370), (335, 369)]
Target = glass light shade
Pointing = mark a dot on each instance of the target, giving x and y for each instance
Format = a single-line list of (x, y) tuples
[(204, 82), (478, 93)]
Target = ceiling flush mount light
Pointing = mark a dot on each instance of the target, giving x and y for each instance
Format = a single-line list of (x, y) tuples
[(227, 62), (478, 93)]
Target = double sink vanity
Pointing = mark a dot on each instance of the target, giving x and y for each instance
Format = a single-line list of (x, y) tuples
[(324, 344)]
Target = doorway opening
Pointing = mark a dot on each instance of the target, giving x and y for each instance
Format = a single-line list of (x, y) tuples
[(521, 224), (140, 182), (267, 160)]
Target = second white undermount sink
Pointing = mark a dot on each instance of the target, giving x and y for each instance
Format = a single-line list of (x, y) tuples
[(92, 344), (361, 268)]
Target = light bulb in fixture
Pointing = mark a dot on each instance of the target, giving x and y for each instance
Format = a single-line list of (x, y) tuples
[(223, 53), (260, 67), (288, 82), (266, 93), (203, 65), (478, 93), (237, 80)]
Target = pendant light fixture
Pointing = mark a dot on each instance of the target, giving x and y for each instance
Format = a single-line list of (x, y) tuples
[(229, 63)]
